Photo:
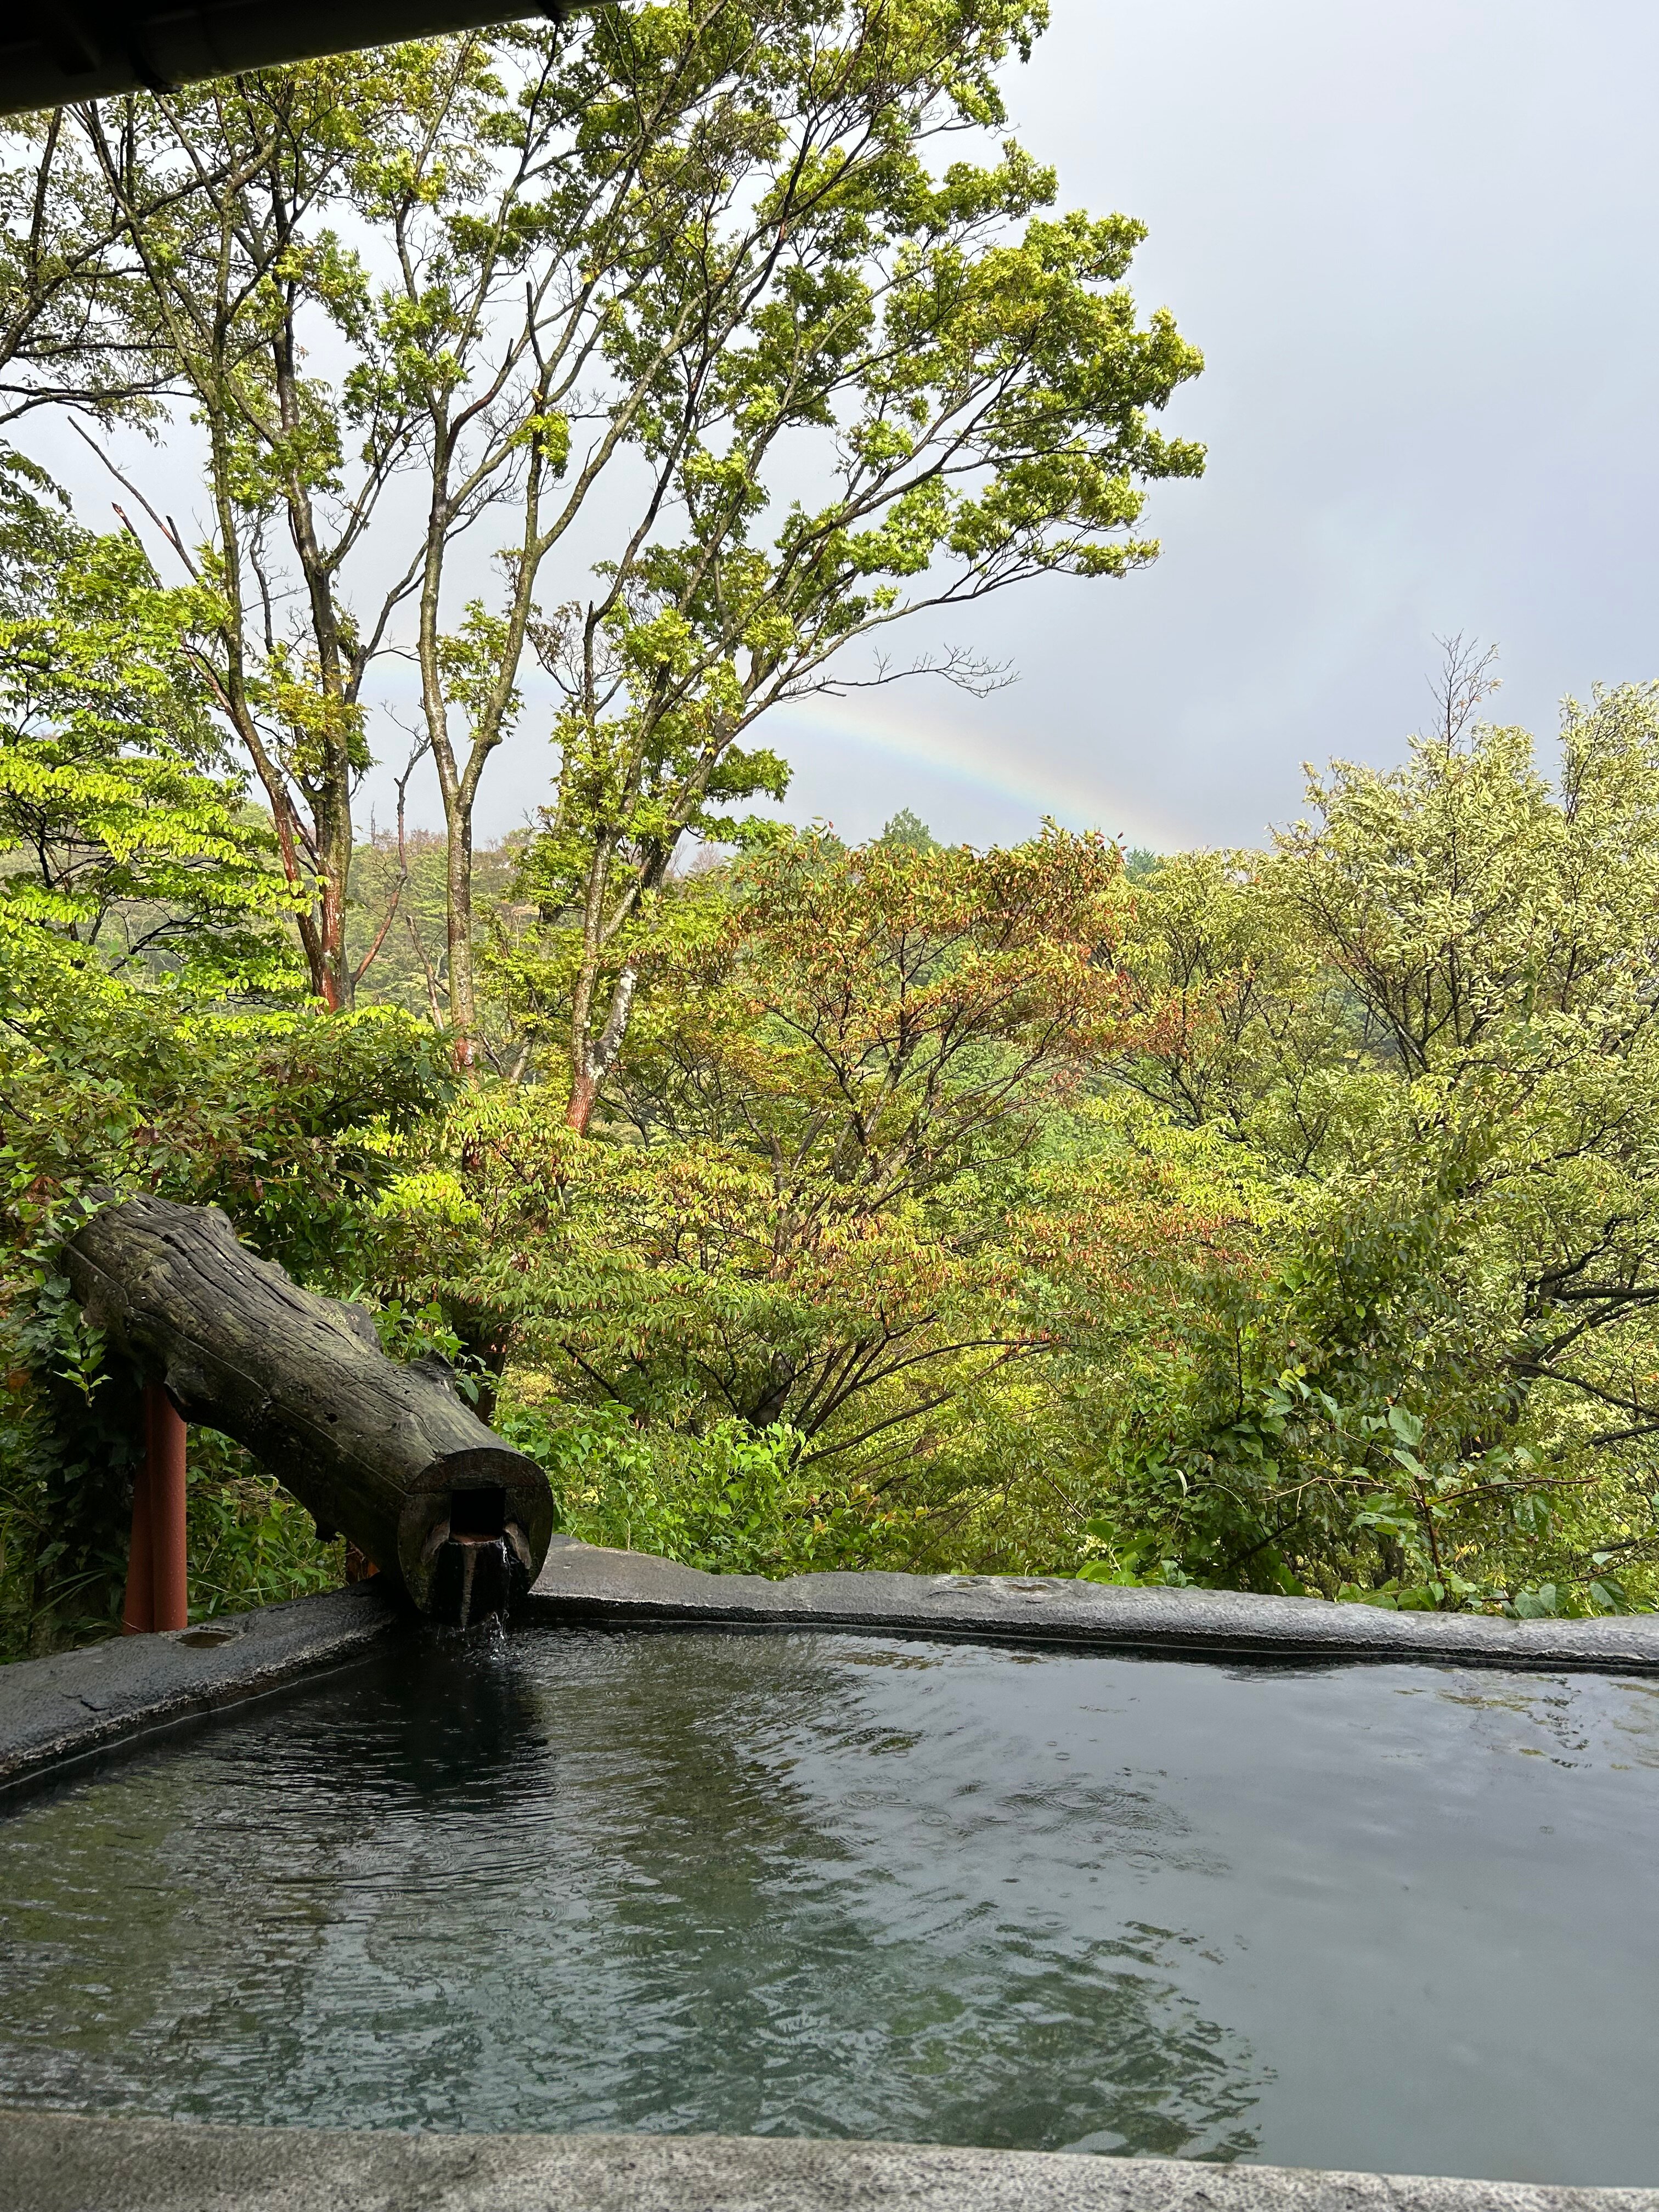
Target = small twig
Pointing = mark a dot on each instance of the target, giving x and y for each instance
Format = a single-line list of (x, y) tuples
[(167, 527), (373, 952)]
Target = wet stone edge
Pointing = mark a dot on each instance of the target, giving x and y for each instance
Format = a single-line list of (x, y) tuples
[(581, 1583), (58, 2162), (57, 1713)]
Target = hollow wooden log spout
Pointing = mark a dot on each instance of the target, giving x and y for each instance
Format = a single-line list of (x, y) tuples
[(389, 1454)]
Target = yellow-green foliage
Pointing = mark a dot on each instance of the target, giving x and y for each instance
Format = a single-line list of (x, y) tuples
[(1284, 1220), (1429, 1016), (1310, 1248)]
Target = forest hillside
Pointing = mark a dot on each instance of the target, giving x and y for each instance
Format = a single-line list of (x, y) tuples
[(1279, 1220)]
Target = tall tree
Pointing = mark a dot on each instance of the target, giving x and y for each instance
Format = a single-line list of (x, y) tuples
[(828, 1116), (229, 196), (642, 274), (957, 373)]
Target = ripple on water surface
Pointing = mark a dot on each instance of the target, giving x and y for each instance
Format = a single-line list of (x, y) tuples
[(1392, 1917)]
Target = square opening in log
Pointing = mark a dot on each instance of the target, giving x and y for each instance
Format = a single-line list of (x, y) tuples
[(480, 1512)]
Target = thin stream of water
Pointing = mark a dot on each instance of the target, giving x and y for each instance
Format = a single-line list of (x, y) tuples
[(1397, 1918)]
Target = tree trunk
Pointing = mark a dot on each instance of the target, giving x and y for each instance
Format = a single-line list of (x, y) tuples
[(584, 1096), (458, 884), (334, 857), (387, 1454), (592, 1059)]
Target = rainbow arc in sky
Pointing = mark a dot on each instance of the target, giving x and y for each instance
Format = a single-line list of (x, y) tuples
[(1079, 797)]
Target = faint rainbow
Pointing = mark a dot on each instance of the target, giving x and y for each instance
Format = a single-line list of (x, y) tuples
[(1005, 765)]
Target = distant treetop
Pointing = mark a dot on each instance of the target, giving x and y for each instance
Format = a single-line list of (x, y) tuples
[(909, 833)]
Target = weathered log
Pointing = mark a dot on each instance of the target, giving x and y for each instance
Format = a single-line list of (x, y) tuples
[(385, 1453)]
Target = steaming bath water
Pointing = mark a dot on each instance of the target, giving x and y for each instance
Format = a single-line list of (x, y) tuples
[(1390, 1918)]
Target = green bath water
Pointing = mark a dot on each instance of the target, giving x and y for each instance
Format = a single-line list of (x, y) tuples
[(1390, 1918)]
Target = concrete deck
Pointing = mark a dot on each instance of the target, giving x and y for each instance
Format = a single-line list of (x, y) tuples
[(53, 2162)]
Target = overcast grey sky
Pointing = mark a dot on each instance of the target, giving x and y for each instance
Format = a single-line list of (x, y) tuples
[(1417, 242)]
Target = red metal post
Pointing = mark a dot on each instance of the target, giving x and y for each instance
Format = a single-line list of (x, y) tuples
[(165, 1438), (139, 1611)]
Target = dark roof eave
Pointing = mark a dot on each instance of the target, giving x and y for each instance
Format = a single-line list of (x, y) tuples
[(52, 53)]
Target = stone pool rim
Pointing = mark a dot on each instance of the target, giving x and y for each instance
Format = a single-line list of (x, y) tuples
[(58, 1713), (581, 1583), (62, 2162)]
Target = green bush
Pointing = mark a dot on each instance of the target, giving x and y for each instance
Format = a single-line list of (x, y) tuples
[(731, 1499)]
